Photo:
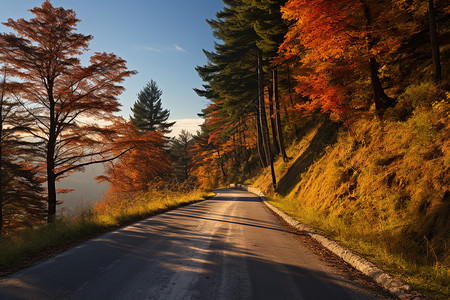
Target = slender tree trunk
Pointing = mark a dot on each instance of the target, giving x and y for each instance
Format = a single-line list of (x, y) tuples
[(262, 114), (259, 143), (236, 158), (221, 164), (242, 140), (434, 42), (244, 145), (382, 101), (279, 131), (51, 177), (290, 98), (272, 121)]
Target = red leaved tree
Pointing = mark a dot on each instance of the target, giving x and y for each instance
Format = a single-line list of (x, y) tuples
[(59, 93), (340, 44), (139, 168)]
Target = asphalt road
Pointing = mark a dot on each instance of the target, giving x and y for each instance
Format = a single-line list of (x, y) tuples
[(228, 247)]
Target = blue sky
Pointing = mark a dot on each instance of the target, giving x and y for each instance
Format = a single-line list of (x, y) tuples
[(162, 40)]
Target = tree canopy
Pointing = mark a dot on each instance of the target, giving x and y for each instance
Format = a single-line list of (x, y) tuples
[(59, 93), (148, 113)]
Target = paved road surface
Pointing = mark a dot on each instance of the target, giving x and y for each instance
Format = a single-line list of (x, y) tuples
[(229, 247)]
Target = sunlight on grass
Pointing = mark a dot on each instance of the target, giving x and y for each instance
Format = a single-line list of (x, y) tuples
[(111, 213), (382, 191)]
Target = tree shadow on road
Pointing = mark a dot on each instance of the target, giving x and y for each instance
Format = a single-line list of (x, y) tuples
[(172, 256)]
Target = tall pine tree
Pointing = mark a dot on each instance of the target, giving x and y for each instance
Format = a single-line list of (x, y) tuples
[(148, 113)]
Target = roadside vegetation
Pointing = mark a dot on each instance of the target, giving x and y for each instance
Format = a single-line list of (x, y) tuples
[(339, 110), (58, 116), (393, 208), (27, 246)]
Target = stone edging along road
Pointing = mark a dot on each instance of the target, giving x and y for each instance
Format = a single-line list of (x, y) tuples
[(392, 284)]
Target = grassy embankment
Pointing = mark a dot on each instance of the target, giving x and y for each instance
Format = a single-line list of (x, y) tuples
[(381, 188), (21, 248)]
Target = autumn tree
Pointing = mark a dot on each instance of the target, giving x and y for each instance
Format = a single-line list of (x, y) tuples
[(148, 113), (142, 165), (340, 44), (21, 194), (430, 19), (207, 159), (59, 93)]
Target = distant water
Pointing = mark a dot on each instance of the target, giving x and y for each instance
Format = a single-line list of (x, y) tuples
[(87, 190)]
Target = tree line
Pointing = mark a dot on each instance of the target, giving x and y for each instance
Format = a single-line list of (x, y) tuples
[(279, 63), (276, 65), (57, 117)]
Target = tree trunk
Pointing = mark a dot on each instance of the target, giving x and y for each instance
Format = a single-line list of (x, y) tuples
[(242, 141), (259, 144), (279, 132), (272, 121), (51, 177), (262, 114), (236, 152), (434, 42), (289, 83), (221, 164), (382, 101), (290, 98), (244, 146)]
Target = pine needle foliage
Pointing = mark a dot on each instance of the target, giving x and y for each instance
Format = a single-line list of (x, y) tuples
[(148, 113)]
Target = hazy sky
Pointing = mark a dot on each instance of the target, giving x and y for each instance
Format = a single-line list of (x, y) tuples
[(162, 40)]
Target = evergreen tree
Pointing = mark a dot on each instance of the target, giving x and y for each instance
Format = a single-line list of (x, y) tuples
[(148, 113), (235, 71), (271, 29), (181, 158)]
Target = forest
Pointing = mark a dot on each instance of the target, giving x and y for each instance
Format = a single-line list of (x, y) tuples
[(339, 110)]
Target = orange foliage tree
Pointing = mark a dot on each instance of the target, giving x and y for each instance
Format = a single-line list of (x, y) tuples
[(340, 44), (143, 165), (59, 93)]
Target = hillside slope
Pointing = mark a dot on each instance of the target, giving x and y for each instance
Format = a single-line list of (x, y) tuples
[(381, 188)]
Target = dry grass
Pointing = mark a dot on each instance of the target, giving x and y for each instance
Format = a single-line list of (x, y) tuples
[(383, 191), (113, 212)]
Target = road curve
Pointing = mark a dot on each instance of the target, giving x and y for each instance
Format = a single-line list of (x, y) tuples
[(228, 247)]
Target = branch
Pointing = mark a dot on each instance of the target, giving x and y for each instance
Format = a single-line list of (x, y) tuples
[(91, 163), (38, 120), (77, 157)]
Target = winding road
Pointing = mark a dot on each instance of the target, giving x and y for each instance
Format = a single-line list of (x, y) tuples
[(228, 247)]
